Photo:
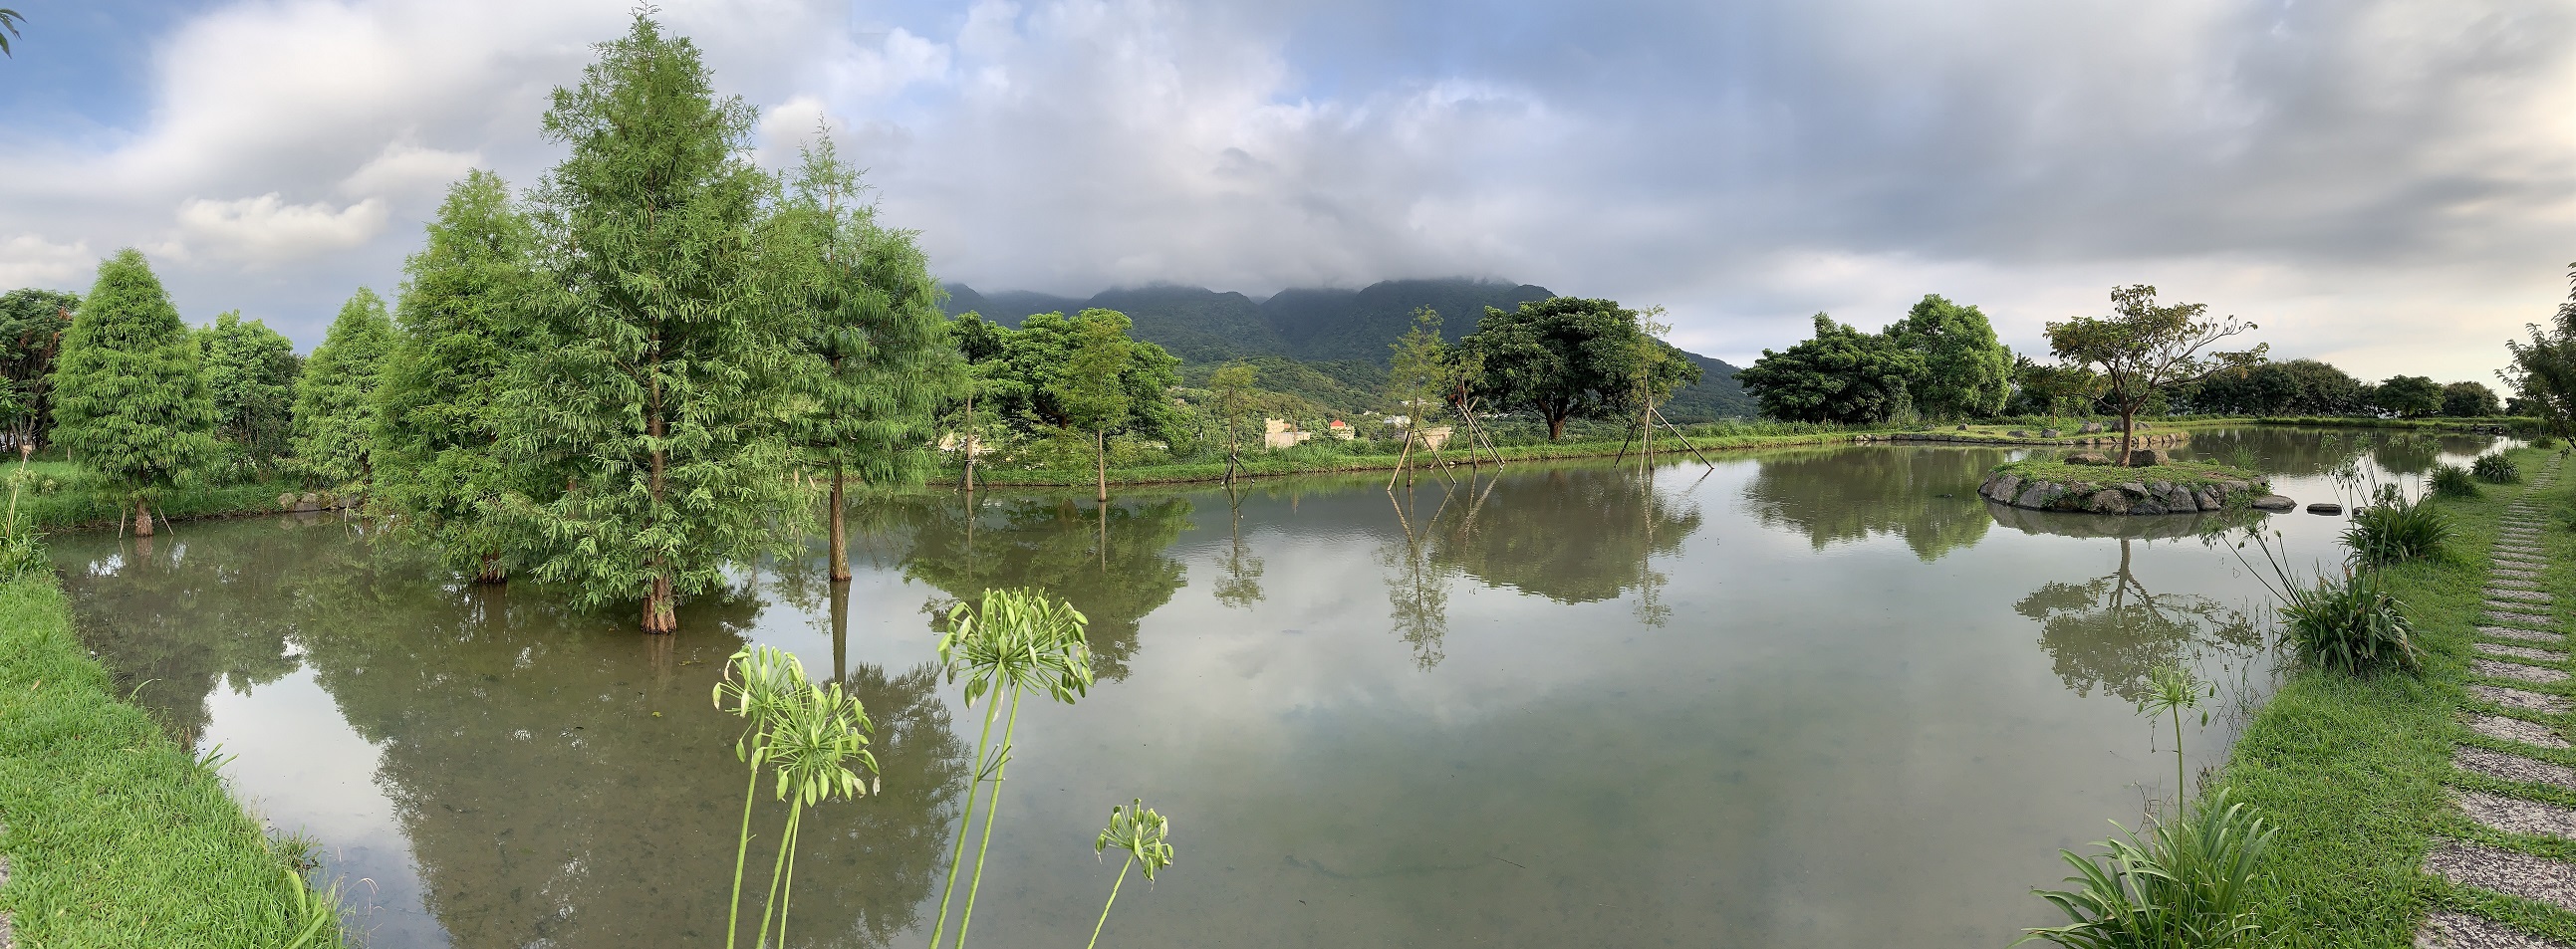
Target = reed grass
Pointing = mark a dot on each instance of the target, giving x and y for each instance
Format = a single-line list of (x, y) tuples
[(2451, 481), (2495, 468)]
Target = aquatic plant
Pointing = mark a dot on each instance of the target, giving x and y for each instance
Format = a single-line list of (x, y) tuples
[(2495, 469), (759, 683), (2349, 623), (2187, 884), (1014, 643), (2451, 481), (2170, 689), (1145, 835), (2394, 530)]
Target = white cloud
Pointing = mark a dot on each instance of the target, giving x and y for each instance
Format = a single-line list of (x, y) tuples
[(408, 169), (267, 230), (29, 260)]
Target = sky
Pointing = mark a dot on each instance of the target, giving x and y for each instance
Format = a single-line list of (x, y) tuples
[(2390, 186)]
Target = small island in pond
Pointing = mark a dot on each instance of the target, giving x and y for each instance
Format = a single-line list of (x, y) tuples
[(2098, 487)]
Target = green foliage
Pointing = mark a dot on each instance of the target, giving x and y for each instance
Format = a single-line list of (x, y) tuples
[(251, 372), (130, 400), (1841, 376), (1014, 643), (9, 20), (2451, 481), (2350, 624), (2144, 349), (1966, 373), (1025, 373), (1145, 836), (2190, 883), (2393, 529), (2291, 387), (32, 323), (878, 357), (808, 736), (2407, 396), (438, 404), (2189, 474), (335, 400), (2495, 468), (2542, 376), (1418, 378), (650, 406), (1566, 357), (2469, 400)]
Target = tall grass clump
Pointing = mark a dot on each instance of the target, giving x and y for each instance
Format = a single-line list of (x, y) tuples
[(2393, 529), (2452, 481), (1016, 643), (1145, 835), (22, 549), (2495, 468), (2189, 883)]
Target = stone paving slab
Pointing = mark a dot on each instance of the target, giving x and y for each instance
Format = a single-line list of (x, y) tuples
[(2516, 573), (2525, 596), (2501, 728), (2514, 610), (2523, 635), (2514, 815), (2521, 558), (2506, 766), (2517, 698), (2448, 930), (2511, 670), (2515, 583), (2520, 652), (2515, 616), (2504, 871)]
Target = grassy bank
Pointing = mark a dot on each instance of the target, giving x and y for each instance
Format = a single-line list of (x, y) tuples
[(61, 495), (1320, 460), (2189, 474), (116, 836), (2353, 769)]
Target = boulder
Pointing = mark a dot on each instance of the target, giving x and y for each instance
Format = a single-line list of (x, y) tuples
[(309, 503), (2001, 487), (2048, 433), (2274, 502), (2325, 507), (2145, 457), (2207, 499), (2038, 496), (2090, 428), (2017, 433), (1963, 428), (2088, 458), (286, 502), (2107, 501)]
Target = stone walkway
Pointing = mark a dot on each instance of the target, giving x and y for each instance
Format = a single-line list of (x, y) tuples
[(2518, 712)]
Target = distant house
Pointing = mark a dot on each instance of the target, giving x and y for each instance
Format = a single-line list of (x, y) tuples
[(1341, 430), (1281, 433)]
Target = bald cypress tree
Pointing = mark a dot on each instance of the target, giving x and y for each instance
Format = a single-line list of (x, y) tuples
[(877, 360), (438, 424), (335, 399), (652, 403), (129, 400)]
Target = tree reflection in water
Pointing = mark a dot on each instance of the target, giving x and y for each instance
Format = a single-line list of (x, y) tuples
[(1928, 496), (1240, 588), (1113, 563), (1417, 588), (2108, 632), (1570, 535)]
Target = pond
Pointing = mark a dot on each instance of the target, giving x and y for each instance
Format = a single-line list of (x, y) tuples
[(1817, 697)]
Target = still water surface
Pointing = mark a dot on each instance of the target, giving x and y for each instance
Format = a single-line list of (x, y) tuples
[(1821, 697)]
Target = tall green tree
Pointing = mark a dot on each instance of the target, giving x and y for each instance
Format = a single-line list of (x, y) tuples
[(879, 361), (251, 372), (1841, 375), (1561, 358), (130, 399), (1088, 386), (32, 322), (1966, 372), (1417, 378), (461, 316), (656, 393), (335, 399), (2469, 400), (1231, 383), (2542, 375), (2143, 349), (2407, 396)]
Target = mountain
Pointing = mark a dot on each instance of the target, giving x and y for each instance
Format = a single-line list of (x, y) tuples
[(1322, 327)]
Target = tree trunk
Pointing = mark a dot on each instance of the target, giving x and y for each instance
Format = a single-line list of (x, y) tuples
[(1100, 449), (492, 572), (661, 615), (2128, 432), (1555, 427), (840, 534), (142, 519), (967, 443)]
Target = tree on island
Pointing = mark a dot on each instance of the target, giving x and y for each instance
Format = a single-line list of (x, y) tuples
[(651, 395), (1841, 376), (335, 400), (878, 356), (129, 400), (2143, 349), (438, 406), (251, 372), (1562, 358)]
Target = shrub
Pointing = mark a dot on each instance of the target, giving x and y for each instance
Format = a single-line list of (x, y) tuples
[(2544, 442), (2495, 469), (2452, 481), (2186, 884), (2350, 624), (2394, 530)]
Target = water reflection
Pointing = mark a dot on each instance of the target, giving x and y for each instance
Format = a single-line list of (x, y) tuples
[(1241, 586), (1572, 535), (1926, 496), (1114, 562)]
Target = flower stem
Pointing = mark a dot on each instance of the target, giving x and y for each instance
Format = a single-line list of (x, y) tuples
[(992, 809), (1113, 901), (965, 822)]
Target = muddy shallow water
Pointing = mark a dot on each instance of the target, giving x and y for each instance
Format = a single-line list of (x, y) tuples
[(1819, 697)]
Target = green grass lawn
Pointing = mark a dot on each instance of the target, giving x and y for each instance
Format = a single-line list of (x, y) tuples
[(117, 836), (2190, 474), (2353, 769)]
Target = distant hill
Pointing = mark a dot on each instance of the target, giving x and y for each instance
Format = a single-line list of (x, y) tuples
[(1345, 330)]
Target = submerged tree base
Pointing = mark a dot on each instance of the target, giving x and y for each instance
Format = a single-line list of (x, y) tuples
[(2171, 488)]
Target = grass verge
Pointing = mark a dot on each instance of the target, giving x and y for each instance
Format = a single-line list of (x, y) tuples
[(1293, 462), (2189, 474), (2353, 769), (116, 836)]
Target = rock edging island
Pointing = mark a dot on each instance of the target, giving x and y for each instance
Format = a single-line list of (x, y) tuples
[(2158, 489)]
